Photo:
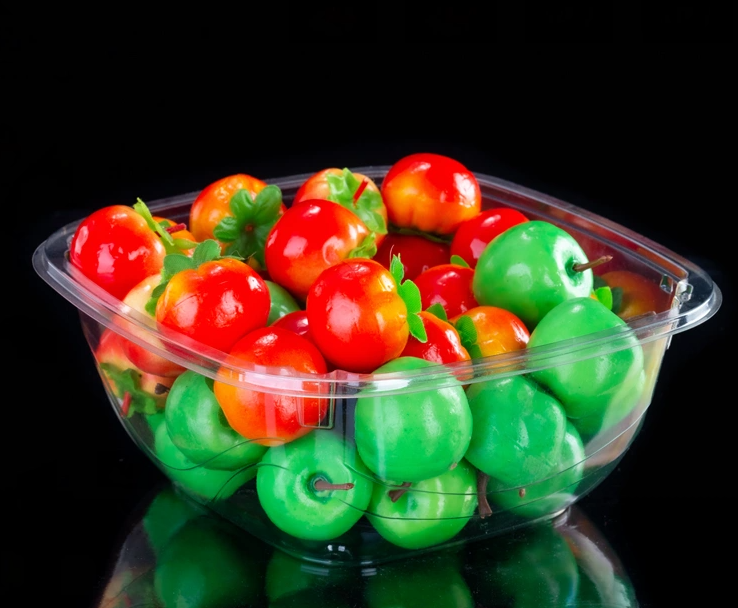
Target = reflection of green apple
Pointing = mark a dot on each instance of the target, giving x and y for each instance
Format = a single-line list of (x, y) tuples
[(206, 484), (527, 569), (414, 436), (166, 514), (198, 427), (418, 583), (550, 494), (314, 488), (207, 564), (286, 575), (430, 512), (518, 430), (529, 269), (589, 386)]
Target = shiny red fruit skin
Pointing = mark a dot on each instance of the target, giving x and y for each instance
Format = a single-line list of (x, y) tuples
[(449, 285), (357, 318), (473, 235), (115, 248), (416, 252), (443, 344), (431, 193), (216, 304), (311, 236)]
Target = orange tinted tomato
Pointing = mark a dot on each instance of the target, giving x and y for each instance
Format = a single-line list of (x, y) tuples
[(213, 203), (443, 344), (263, 416), (638, 295), (217, 303), (356, 315), (431, 193), (497, 331), (115, 248)]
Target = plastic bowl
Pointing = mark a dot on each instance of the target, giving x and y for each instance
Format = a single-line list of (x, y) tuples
[(403, 517)]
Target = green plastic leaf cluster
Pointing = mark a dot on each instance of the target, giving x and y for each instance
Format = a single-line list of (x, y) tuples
[(247, 229), (129, 381), (612, 297), (410, 294), (468, 335), (459, 261), (171, 245), (207, 251), (343, 189)]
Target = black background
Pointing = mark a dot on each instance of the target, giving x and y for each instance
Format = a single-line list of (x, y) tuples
[(643, 135)]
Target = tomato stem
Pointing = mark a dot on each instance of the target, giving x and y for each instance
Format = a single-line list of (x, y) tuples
[(176, 228), (360, 190), (126, 405), (395, 494), (484, 509), (601, 260)]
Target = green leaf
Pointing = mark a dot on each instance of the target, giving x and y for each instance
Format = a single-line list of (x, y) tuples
[(397, 270), (169, 246), (367, 248), (268, 205), (410, 293), (129, 381), (438, 310), (207, 251), (185, 244), (342, 190), (227, 229), (599, 282), (242, 207), (467, 332), (459, 261), (177, 262), (417, 328), (617, 299), (604, 295)]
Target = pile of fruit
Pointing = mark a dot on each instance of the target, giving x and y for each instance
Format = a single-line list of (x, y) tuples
[(365, 278)]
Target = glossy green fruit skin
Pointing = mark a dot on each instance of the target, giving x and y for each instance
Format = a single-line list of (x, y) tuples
[(205, 484), (518, 430), (609, 371), (282, 302), (205, 565), (431, 512), (197, 426), (418, 584), (553, 493), (415, 436), (285, 491), (536, 568), (528, 270)]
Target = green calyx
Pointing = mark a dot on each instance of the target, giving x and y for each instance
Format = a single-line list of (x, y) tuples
[(247, 229), (128, 386), (171, 245), (353, 194), (410, 294), (438, 310), (457, 260), (207, 251), (612, 297), (468, 334)]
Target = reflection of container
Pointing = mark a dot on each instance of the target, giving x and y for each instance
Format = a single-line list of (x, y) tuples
[(595, 446), (177, 553)]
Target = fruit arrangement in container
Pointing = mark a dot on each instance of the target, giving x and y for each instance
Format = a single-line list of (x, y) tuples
[(355, 365)]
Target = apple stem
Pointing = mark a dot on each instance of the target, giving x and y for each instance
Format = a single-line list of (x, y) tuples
[(176, 228), (484, 509), (360, 190), (322, 485), (601, 260), (395, 494), (521, 492)]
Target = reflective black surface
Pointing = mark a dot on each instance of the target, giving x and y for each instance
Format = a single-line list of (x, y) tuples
[(643, 154)]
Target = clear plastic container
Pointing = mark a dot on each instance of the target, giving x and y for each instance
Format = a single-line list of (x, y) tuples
[(413, 514)]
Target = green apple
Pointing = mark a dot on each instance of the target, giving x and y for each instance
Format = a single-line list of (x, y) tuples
[(413, 436), (604, 372), (198, 427), (529, 269), (208, 563), (550, 494), (282, 302), (518, 430), (429, 513), (314, 488), (204, 484)]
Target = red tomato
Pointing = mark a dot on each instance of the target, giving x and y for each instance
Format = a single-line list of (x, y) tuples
[(213, 203), (431, 193), (443, 344), (416, 252), (472, 235), (216, 303), (449, 285), (638, 295), (115, 248), (357, 318), (368, 202), (296, 321), (143, 358), (497, 331), (310, 237), (263, 416)]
